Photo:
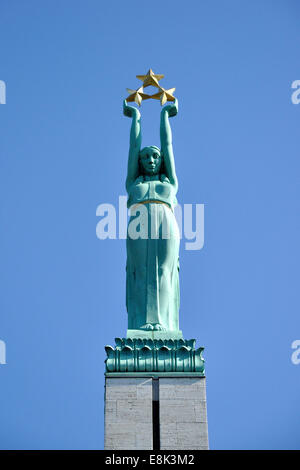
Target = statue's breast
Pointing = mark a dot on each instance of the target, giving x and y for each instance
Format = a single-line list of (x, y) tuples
[(151, 190), (161, 190), (139, 192)]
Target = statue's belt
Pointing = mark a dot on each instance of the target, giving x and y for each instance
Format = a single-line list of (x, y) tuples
[(149, 201)]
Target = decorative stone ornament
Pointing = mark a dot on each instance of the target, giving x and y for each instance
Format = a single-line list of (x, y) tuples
[(147, 355)]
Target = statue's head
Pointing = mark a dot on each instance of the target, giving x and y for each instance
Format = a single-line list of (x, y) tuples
[(150, 160)]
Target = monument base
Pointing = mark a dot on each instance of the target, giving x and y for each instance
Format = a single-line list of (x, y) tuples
[(154, 355), (158, 412)]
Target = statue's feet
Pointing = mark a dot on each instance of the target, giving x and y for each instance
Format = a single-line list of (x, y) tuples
[(147, 327), (158, 327)]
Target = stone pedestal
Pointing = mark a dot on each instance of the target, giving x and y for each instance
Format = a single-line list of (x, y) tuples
[(182, 413), (128, 413), (155, 411)]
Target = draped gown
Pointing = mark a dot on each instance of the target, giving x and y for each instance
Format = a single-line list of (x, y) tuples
[(152, 269)]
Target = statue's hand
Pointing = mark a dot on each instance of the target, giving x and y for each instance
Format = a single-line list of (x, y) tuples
[(130, 111), (171, 109)]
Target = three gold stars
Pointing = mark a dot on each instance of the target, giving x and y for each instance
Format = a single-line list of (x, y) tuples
[(150, 79)]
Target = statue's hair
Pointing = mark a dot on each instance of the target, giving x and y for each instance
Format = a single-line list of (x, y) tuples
[(151, 147), (162, 167)]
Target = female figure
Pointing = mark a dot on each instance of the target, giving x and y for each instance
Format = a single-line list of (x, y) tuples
[(152, 282)]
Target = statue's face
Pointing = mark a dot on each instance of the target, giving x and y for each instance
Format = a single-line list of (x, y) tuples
[(150, 160)]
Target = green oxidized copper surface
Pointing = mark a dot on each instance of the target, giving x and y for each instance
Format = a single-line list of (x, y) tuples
[(152, 268), (154, 341), (147, 355)]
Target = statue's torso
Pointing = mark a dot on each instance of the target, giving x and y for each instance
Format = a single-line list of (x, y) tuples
[(152, 279), (153, 190)]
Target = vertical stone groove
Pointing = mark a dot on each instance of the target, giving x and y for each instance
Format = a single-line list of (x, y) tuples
[(155, 414)]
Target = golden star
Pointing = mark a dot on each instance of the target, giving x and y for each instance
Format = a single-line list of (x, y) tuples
[(137, 95), (164, 95), (150, 79)]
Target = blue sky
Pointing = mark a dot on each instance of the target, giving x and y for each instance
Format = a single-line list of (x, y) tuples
[(64, 146)]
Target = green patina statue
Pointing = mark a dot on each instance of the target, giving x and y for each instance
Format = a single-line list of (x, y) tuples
[(154, 342), (152, 285)]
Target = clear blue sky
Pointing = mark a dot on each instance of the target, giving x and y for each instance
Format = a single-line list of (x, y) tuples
[(64, 145)]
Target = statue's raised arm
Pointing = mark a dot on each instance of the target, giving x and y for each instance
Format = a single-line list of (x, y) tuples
[(166, 142), (135, 143)]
